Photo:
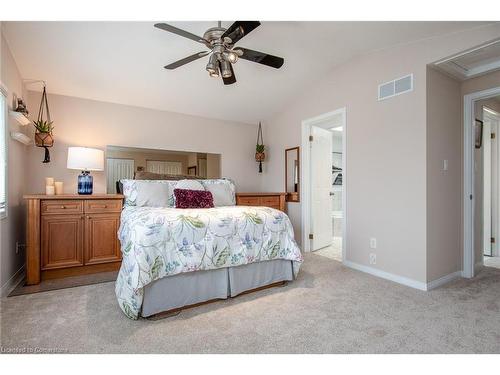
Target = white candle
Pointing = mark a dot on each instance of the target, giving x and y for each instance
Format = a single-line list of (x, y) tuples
[(58, 187), (49, 190), (49, 181)]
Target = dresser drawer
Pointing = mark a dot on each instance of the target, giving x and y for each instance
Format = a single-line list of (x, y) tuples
[(103, 205), (249, 201), (61, 207)]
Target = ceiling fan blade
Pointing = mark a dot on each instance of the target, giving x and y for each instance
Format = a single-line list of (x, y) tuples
[(185, 34), (229, 80), (186, 60), (261, 57), (239, 29)]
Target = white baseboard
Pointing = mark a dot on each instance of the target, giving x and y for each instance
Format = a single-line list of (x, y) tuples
[(13, 282), (444, 280), (386, 275)]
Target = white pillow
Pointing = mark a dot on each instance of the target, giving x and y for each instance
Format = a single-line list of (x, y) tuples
[(152, 194), (131, 191), (223, 191), (189, 184)]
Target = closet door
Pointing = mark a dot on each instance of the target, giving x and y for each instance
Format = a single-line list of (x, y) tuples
[(117, 169)]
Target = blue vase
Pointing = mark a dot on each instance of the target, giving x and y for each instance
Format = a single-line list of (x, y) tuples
[(85, 183)]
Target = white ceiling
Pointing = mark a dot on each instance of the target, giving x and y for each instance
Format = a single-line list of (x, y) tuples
[(122, 62)]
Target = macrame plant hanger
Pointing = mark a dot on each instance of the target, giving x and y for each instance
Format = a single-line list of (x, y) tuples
[(260, 155), (44, 140)]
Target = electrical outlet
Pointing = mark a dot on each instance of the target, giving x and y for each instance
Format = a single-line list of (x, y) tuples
[(373, 258), (373, 243), (445, 165)]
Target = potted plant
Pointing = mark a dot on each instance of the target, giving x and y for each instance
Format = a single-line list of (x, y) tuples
[(259, 153), (43, 133)]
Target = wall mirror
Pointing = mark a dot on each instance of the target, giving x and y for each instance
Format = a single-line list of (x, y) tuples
[(123, 162), (292, 174)]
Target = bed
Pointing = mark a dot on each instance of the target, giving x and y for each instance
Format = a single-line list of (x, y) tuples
[(174, 257)]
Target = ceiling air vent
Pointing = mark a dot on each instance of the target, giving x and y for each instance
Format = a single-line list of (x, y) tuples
[(398, 86)]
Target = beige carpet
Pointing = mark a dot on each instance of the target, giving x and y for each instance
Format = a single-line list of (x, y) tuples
[(329, 309), (67, 282)]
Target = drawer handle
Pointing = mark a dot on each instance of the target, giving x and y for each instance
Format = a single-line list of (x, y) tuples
[(63, 206), (88, 217)]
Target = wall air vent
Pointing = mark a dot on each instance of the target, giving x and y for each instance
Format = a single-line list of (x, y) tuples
[(398, 86)]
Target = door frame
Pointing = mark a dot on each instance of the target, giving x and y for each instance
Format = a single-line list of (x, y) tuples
[(305, 167), (468, 182)]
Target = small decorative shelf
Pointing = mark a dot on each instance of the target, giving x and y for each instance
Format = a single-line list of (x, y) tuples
[(20, 118), (21, 137)]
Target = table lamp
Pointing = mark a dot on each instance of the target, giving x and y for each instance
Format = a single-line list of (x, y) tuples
[(85, 159)]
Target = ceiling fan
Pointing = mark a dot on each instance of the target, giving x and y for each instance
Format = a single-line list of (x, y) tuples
[(223, 53)]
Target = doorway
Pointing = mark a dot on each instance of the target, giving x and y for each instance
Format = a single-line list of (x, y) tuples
[(481, 206), (324, 180)]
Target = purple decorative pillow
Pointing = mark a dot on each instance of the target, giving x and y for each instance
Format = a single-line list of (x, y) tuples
[(185, 198)]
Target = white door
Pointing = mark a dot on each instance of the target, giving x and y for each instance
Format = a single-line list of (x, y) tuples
[(117, 169), (202, 167), (321, 187)]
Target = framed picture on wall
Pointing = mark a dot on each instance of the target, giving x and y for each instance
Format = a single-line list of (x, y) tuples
[(478, 132)]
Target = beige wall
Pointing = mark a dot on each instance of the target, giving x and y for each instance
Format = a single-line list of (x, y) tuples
[(386, 149), (444, 193), (213, 166), (82, 122), (12, 228)]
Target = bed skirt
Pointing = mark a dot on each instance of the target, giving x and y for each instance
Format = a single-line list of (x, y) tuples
[(190, 288)]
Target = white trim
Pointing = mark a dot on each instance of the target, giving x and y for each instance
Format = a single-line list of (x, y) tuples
[(444, 280), (305, 161), (404, 280), (386, 275), (3, 89), (5, 212), (468, 172), (14, 281)]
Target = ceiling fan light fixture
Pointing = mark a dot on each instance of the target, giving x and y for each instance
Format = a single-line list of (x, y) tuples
[(214, 74), (225, 68), (212, 65), (230, 56)]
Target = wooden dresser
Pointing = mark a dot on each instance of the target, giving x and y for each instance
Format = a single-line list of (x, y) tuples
[(69, 235), (273, 200)]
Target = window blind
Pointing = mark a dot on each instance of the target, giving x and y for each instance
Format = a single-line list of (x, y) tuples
[(3, 154), (164, 167)]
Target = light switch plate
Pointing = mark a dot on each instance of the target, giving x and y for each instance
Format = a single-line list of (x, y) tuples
[(373, 243)]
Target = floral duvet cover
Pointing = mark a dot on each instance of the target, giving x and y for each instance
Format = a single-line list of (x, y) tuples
[(160, 242)]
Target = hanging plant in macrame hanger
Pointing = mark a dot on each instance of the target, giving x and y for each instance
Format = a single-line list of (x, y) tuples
[(43, 128), (260, 156)]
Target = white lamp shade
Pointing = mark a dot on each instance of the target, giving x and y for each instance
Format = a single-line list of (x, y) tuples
[(85, 159)]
